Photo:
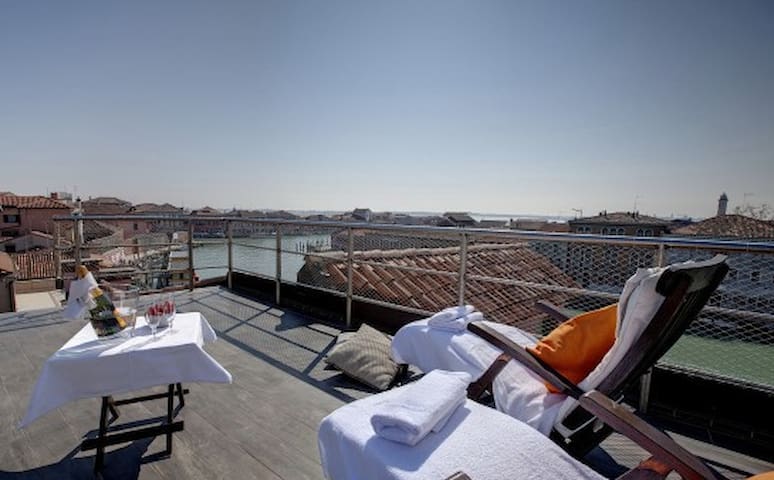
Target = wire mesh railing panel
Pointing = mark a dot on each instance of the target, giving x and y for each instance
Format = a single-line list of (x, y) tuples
[(300, 245), (734, 335), (327, 272), (437, 252), (403, 285)]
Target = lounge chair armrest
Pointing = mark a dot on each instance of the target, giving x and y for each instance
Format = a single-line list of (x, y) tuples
[(554, 311), (663, 448), (521, 355)]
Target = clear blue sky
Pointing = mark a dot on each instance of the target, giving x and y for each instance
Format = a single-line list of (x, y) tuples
[(484, 106)]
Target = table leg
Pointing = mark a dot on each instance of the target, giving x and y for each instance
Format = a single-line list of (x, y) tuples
[(99, 459), (170, 410), (180, 396), (110, 405)]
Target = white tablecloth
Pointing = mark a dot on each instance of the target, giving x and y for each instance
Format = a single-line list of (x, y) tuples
[(87, 367)]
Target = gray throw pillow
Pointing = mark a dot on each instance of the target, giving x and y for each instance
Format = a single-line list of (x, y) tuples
[(365, 356)]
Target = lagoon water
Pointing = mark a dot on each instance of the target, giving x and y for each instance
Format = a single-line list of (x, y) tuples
[(211, 258)]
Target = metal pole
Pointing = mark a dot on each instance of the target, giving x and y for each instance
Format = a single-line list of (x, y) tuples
[(278, 277), (350, 251), (660, 255), (78, 233), (58, 254), (191, 281), (230, 241), (463, 264)]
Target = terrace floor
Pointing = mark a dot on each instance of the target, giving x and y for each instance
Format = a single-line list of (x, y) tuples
[(263, 426)]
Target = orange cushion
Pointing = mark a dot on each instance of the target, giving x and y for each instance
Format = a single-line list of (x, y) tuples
[(576, 346), (763, 476)]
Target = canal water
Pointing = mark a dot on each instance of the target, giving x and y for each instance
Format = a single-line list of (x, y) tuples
[(211, 258)]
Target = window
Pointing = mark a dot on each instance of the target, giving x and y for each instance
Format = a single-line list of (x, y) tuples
[(583, 230), (648, 232), (10, 218), (640, 232), (135, 226), (620, 231)]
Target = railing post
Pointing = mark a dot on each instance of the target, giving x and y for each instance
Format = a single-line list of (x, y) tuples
[(78, 240), (645, 379), (278, 277), (463, 265), (350, 260), (230, 242), (191, 281), (58, 254), (660, 255)]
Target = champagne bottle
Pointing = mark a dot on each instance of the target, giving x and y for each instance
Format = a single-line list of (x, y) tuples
[(104, 315)]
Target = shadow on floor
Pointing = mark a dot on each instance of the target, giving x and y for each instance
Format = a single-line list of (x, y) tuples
[(120, 464)]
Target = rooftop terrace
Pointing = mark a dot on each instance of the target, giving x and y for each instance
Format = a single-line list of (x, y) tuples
[(262, 426)]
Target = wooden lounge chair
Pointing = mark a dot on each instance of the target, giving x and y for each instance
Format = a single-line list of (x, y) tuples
[(685, 287)]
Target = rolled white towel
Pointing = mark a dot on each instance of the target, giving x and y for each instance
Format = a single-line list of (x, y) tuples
[(411, 415), (458, 324)]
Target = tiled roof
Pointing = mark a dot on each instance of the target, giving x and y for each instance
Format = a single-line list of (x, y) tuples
[(105, 206), (31, 201), (728, 226), (380, 280), (92, 230), (281, 214), (150, 208), (622, 218), (206, 211), (32, 265), (106, 201)]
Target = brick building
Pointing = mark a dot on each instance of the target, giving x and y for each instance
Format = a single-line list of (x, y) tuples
[(23, 214)]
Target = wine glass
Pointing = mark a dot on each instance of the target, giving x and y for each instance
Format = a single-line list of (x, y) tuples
[(127, 301), (153, 318), (168, 305)]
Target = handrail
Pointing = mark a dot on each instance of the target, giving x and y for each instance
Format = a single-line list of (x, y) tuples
[(454, 232)]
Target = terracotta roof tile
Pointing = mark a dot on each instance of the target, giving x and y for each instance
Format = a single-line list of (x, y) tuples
[(31, 201), (432, 292), (33, 265), (728, 226)]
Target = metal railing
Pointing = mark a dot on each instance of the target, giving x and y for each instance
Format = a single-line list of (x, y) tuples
[(422, 269)]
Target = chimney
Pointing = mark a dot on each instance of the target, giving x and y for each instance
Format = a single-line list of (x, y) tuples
[(54, 195), (722, 204)]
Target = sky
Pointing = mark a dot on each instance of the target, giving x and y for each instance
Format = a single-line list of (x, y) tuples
[(507, 107)]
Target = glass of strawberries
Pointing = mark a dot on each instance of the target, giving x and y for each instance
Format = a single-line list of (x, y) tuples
[(162, 312)]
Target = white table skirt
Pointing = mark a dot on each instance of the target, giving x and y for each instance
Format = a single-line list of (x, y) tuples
[(88, 367)]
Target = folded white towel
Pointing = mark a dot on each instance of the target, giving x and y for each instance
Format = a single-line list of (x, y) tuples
[(456, 325), (411, 415), (451, 313), (442, 422)]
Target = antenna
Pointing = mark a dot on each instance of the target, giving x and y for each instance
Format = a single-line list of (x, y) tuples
[(636, 197), (579, 211)]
